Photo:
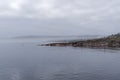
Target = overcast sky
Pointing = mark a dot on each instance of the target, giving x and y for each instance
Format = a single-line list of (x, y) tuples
[(59, 17)]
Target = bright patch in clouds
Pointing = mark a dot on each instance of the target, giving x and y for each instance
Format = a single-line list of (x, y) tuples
[(16, 4)]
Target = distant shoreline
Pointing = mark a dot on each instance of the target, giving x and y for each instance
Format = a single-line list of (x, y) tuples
[(112, 41)]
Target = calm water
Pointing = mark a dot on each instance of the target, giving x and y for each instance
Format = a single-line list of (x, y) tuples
[(24, 60)]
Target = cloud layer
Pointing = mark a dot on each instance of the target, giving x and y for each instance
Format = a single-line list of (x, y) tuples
[(88, 15), (59, 8)]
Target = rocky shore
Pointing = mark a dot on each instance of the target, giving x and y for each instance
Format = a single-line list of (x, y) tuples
[(112, 41)]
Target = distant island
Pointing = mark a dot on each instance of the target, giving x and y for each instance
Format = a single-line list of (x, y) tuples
[(112, 41), (34, 36), (53, 36)]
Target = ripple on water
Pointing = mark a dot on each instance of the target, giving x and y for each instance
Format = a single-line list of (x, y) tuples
[(84, 76), (10, 74)]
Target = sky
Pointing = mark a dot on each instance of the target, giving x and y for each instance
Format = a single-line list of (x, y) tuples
[(59, 17)]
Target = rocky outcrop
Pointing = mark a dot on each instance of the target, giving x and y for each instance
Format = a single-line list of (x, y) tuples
[(110, 41)]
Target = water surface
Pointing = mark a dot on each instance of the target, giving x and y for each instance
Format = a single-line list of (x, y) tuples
[(24, 60)]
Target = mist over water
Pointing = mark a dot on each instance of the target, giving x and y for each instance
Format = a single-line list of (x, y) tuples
[(23, 59), (24, 24)]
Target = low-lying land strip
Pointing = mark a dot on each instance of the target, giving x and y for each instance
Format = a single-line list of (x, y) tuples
[(112, 41)]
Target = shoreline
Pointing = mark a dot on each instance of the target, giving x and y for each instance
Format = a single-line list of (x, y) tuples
[(112, 41)]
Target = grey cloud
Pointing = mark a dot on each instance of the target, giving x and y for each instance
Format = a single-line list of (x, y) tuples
[(59, 16), (59, 8)]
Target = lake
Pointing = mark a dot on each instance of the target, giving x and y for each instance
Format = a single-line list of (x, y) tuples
[(23, 59)]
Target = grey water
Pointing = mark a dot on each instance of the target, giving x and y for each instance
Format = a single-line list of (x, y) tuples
[(23, 59)]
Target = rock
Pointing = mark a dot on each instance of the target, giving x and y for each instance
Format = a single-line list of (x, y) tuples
[(110, 41)]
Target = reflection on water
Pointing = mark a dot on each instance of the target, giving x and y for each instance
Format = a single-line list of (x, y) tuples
[(27, 61)]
